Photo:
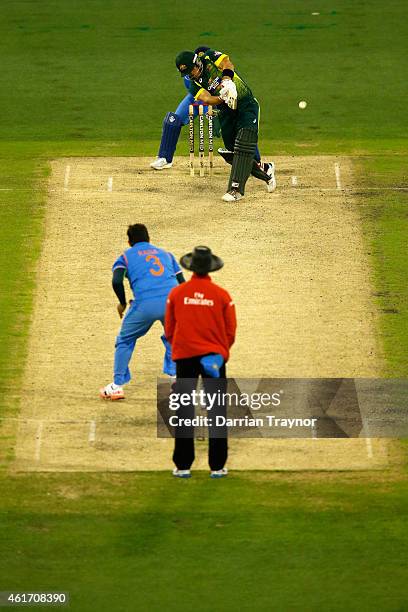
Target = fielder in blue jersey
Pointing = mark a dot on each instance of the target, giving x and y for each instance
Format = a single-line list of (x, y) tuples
[(173, 122), (152, 273)]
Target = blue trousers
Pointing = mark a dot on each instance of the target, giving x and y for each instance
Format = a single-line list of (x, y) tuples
[(182, 109), (136, 323)]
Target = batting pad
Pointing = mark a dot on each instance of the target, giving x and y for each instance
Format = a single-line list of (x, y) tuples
[(242, 161)]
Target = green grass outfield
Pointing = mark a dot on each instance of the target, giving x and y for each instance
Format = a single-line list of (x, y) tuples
[(257, 541), (95, 78)]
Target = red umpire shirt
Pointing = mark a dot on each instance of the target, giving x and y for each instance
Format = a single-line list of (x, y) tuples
[(200, 319)]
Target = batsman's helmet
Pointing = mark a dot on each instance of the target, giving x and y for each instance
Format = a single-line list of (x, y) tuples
[(185, 62), (201, 50)]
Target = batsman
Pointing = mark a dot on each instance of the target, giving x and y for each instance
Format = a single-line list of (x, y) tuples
[(214, 81)]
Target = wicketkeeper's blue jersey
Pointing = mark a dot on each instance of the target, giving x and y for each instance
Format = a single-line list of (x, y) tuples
[(151, 271)]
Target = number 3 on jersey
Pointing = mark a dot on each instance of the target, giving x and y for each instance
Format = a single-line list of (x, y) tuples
[(156, 262)]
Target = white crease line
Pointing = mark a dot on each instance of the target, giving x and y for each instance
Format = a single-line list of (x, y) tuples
[(366, 434), (369, 447), (38, 441), (129, 420), (92, 432), (351, 190), (110, 183), (294, 181), (66, 177), (338, 177)]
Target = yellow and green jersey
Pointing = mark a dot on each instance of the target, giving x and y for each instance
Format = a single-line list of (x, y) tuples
[(211, 77)]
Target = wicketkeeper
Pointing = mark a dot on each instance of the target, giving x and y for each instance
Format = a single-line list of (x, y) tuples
[(215, 82)]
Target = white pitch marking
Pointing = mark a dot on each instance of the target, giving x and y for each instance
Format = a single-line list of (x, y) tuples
[(110, 183), (38, 441), (294, 181), (338, 176), (357, 190), (66, 177), (92, 432), (369, 445), (366, 433), (369, 448)]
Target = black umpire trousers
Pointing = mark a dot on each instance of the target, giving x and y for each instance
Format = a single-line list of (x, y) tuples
[(188, 371)]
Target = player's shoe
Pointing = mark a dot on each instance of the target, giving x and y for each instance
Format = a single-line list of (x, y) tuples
[(222, 150), (112, 392), (232, 196), (181, 473), (219, 473), (269, 168), (160, 163)]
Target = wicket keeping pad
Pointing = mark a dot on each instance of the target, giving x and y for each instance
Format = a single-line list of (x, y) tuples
[(172, 125), (244, 151)]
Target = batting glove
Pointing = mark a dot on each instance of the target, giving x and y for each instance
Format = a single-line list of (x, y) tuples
[(223, 93), (229, 86), (232, 101)]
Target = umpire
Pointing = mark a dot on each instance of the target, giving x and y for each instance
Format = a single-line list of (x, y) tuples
[(200, 324)]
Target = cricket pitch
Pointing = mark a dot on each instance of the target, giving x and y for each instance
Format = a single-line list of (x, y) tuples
[(295, 265)]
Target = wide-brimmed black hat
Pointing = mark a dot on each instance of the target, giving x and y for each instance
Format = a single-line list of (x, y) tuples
[(201, 260)]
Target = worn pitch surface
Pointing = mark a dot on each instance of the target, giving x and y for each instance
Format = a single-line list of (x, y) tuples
[(294, 263)]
